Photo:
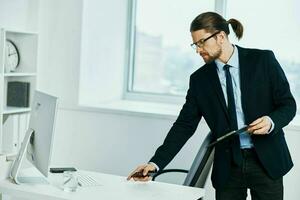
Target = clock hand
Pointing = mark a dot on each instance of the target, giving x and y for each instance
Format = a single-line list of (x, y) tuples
[(12, 54)]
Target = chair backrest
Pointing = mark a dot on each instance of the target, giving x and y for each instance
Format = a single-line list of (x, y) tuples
[(201, 165)]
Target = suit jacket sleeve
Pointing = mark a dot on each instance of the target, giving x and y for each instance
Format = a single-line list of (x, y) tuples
[(283, 101), (181, 131)]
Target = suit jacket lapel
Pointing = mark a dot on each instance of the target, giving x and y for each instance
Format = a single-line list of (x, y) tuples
[(245, 71), (214, 78)]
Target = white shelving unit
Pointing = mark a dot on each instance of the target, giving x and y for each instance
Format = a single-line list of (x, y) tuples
[(18, 74), (15, 119)]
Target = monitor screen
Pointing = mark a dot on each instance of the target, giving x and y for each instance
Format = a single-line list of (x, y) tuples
[(37, 144)]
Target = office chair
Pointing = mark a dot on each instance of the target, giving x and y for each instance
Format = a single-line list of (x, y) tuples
[(198, 173)]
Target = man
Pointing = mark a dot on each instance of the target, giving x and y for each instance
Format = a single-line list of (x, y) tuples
[(236, 87)]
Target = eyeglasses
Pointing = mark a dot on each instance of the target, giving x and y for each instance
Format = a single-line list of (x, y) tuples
[(200, 43)]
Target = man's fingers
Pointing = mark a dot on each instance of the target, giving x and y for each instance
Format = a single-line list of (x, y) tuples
[(260, 131), (260, 128), (147, 169), (263, 130), (251, 129), (144, 169), (256, 122), (143, 179), (138, 169)]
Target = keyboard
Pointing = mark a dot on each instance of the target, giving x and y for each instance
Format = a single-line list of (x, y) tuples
[(85, 180)]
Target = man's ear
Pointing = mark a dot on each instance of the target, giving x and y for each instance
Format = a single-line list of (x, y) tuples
[(222, 37)]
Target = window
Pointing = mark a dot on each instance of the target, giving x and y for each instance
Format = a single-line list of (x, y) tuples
[(275, 26), (162, 59)]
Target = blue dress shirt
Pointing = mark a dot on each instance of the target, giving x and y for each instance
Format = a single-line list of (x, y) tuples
[(245, 138)]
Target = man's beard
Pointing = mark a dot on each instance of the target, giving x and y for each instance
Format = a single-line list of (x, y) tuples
[(209, 58)]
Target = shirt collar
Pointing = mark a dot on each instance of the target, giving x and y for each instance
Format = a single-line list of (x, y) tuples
[(233, 60)]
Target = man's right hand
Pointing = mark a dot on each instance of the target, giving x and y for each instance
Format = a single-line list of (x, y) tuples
[(144, 169)]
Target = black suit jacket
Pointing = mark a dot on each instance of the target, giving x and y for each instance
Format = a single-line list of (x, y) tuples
[(264, 91)]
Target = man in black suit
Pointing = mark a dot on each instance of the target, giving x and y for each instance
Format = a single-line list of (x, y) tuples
[(236, 87)]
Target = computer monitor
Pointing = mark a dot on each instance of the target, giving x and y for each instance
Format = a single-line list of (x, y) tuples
[(37, 143)]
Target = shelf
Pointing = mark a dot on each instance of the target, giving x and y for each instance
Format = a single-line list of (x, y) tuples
[(13, 74), (15, 120), (13, 110), (20, 32)]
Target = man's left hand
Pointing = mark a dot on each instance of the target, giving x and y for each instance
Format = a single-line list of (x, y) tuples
[(261, 126)]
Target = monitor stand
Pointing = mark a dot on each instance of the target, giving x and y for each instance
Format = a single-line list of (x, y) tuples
[(18, 161), (32, 180)]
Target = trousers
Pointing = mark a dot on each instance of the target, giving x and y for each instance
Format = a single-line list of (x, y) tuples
[(250, 175)]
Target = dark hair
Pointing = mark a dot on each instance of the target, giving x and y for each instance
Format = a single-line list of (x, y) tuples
[(212, 22)]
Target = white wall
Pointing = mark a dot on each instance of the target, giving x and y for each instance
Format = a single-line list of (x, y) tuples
[(291, 180), (102, 51), (19, 15), (113, 143), (59, 48)]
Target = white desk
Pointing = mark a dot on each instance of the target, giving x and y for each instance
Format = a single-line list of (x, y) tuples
[(113, 188)]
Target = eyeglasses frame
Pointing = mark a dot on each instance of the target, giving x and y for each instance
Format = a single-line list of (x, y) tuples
[(200, 43)]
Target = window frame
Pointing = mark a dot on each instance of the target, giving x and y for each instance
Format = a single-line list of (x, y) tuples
[(128, 93)]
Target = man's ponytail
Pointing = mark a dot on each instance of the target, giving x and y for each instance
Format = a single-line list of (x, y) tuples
[(237, 27)]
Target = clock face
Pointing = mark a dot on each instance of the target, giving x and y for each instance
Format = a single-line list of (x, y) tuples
[(12, 58)]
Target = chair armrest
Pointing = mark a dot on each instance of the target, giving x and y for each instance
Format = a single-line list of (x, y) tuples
[(168, 171)]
